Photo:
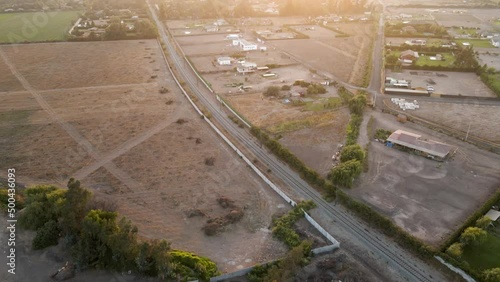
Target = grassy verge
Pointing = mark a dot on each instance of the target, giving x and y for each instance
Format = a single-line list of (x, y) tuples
[(478, 43), (310, 121), (36, 27)]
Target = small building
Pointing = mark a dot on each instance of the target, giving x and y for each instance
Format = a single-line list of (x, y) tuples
[(247, 46), (428, 148), (493, 215), (495, 41), (224, 61), (244, 70), (211, 28), (409, 55), (233, 37)]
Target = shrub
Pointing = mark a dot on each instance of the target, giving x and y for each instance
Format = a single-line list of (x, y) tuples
[(345, 173), (286, 87), (352, 152), (191, 266), (272, 91), (283, 226), (455, 250), (47, 235), (483, 222), (382, 134), (473, 236)]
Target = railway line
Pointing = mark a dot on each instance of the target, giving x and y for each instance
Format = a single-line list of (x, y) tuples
[(399, 260)]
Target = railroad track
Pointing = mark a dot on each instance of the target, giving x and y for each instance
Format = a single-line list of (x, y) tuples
[(398, 259)]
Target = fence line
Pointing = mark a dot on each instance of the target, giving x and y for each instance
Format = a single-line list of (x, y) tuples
[(456, 270)]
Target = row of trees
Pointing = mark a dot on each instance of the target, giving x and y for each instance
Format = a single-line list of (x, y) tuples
[(316, 7), (471, 237), (97, 239)]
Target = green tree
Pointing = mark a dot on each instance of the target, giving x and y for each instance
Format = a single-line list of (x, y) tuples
[(153, 259), (492, 275), (473, 236), (392, 59), (483, 222), (74, 208), (465, 58), (352, 152), (295, 259), (455, 250), (272, 91), (43, 203), (47, 235), (357, 104), (345, 173)]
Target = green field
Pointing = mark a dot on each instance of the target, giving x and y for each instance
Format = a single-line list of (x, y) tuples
[(426, 61), (33, 27), (484, 256), (480, 43)]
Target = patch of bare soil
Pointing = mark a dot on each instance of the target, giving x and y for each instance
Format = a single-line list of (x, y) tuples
[(315, 146)]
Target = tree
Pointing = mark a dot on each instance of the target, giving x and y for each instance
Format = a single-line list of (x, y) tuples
[(473, 236), (47, 235), (391, 59), (492, 275), (465, 58), (43, 203), (344, 173), (483, 222), (357, 104), (153, 258), (74, 208), (285, 269), (352, 152), (455, 250), (272, 91)]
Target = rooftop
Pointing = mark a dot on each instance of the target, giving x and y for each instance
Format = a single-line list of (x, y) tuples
[(414, 141), (493, 215)]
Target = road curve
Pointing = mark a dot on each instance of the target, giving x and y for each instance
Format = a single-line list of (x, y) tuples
[(406, 265)]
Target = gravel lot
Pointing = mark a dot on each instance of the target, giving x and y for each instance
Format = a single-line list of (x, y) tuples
[(450, 83)]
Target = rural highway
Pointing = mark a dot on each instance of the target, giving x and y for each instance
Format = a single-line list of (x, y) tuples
[(400, 261)]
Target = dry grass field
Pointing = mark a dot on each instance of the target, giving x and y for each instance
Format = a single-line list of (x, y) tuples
[(101, 119), (346, 58), (312, 136)]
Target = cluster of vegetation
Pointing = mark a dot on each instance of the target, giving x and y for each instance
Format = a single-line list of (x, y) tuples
[(350, 166), (382, 134), (312, 88), (490, 77), (97, 238), (283, 226), (209, 9), (470, 238), (395, 29), (284, 269), (317, 8), (272, 91)]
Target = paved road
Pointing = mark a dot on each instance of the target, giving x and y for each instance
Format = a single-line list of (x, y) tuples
[(407, 267)]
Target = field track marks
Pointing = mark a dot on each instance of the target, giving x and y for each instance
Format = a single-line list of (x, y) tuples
[(357, 66), (66, 126), (125, 147), (336, 49)]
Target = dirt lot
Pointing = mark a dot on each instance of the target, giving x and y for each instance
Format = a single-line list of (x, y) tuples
[(483, 119), (127, 142), (316, 32), (314, 144), (490, 57), (284, 75), (207, 64), (426, 198), (344, 57), (450, 83)]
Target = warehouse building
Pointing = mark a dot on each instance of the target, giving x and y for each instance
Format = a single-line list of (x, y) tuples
[(428, 148)]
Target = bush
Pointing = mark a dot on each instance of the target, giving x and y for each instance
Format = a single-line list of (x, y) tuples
[(47, 235), (455, 250), (190, 266), (345, 173), (382, 134), (473, 236), (352, 152), (316, 89), (43, 203), (272, 91), (286, 87), (283, 226)]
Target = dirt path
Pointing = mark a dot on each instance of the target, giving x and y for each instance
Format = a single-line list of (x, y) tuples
[(130, 183), (125, 147), (357, 63)]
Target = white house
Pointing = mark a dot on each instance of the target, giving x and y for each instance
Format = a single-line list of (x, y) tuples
[(495, 41), (233, 37), (247, 46), (224, 61)]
